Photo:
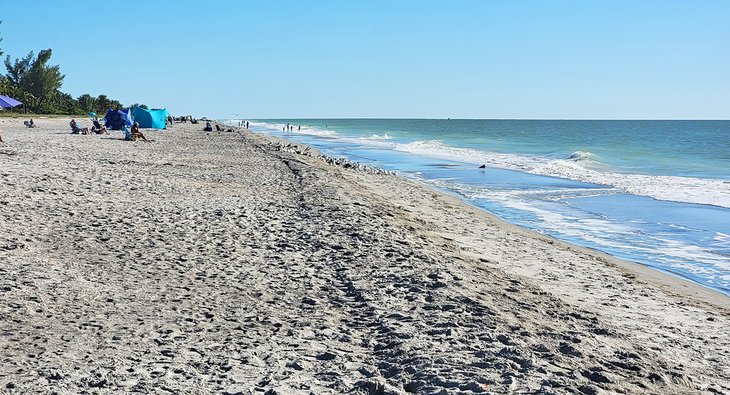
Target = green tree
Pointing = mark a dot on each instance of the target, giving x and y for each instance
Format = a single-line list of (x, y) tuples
[(115, 105), (43, 80), (87, 102), (63, 103), (33, 77), (17, 71), (102, 104)]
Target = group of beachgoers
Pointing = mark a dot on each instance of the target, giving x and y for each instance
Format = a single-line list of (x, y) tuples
[(210, 127), (132, 134), (290, 128), (96, 128)]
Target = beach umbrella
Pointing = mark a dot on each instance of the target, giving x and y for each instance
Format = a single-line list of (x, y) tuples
[(8, 102)]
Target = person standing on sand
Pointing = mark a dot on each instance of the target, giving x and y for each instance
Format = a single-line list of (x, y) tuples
[(1, 136)]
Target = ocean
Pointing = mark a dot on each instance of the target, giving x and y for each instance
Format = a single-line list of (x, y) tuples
[(653, 192)]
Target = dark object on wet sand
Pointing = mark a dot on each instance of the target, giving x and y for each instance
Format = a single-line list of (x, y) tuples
[(483, 166)]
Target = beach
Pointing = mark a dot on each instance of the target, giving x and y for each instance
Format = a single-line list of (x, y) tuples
[(239, 263)]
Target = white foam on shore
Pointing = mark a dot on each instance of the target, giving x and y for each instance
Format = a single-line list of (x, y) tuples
[(580, 166), (384, 136), (671, 255), (279, 127)]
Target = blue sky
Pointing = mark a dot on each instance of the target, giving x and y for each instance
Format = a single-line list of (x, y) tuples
[(416, 59)]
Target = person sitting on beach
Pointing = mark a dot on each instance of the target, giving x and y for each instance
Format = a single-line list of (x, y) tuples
[(98, 128), (208, 127), (29, 124), (218, 128), (136, 134), (75, 129)]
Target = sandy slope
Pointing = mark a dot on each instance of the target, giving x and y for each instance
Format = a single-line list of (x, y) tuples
[(230, 263)]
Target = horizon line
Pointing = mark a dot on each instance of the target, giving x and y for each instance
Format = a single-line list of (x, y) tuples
[(495, 119)]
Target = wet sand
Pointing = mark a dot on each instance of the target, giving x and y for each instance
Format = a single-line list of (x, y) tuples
[(237, 263)]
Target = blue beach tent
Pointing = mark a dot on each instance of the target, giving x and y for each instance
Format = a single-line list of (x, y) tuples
[(118, 119), (155, 119)]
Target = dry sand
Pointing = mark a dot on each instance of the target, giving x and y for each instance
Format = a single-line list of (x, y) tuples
[(234, 263)]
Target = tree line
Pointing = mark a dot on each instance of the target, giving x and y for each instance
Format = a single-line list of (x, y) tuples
[(36, 83)]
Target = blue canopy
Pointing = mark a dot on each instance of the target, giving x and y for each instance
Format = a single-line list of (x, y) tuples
[(8, 102), (155, 119), (118, 119)]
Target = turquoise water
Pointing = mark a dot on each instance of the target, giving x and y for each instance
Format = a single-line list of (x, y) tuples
[(654, 192)]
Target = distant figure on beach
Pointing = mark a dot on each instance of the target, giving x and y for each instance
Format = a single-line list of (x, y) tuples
[(208, 127), (1, 136), (75, 129), (169, 120), (99, 128), (246, 124), (218, 128), (299, 128), (29, 124), (136, 134)]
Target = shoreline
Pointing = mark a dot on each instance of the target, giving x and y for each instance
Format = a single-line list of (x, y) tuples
[(239, 262), (673, 283)]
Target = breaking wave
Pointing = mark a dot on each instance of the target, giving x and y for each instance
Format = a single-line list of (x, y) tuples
[(579, 166)]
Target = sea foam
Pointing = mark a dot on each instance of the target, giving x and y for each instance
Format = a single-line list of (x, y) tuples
[(580, 166)]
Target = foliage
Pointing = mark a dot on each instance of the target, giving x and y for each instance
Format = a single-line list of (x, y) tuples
[(102, 103), (42, 80), (87, 103), (34, 78), (37, 84)]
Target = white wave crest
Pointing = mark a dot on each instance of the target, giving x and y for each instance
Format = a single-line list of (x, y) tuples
[(384, 136), (579, 166), (578, 156), (672, 188)]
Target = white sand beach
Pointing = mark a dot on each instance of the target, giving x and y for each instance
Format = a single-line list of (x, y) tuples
[(236, 263)]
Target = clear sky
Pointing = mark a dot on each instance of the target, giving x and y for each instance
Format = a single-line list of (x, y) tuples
[(416, 59)]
